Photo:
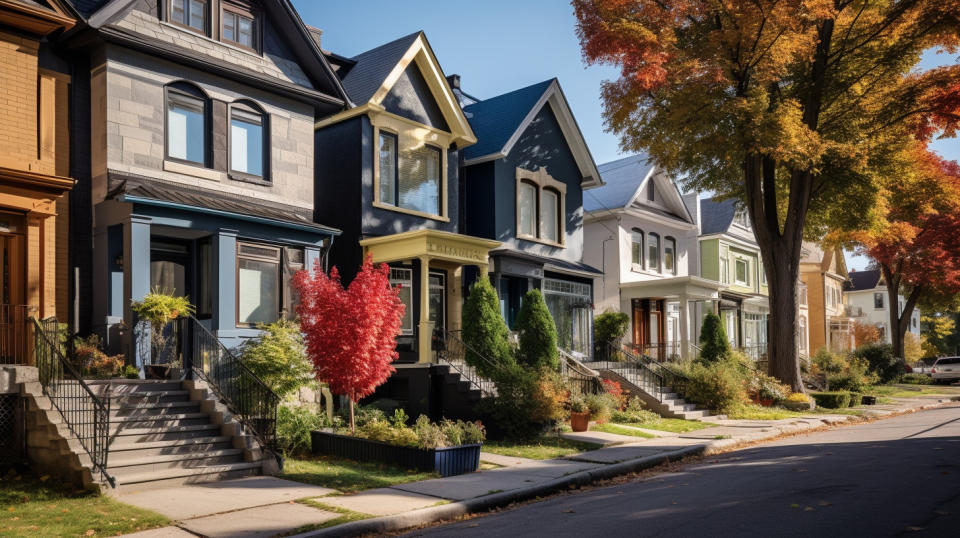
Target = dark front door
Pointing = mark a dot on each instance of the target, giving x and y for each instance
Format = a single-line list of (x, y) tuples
[(171, 273)]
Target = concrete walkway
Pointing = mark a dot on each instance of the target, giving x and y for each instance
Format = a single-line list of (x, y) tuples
[(264, 506)]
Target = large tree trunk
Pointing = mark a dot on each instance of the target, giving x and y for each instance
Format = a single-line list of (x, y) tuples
[(780, 250), (899, 321)]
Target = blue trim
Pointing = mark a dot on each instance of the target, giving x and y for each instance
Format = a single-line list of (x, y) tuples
[(250, 218)]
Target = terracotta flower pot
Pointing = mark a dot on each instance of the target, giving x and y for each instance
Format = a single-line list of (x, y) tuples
[(579, 422)]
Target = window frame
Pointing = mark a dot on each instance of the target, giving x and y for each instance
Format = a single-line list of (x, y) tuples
[(185, 90), (378, 201), (541, 181), (746, 272), (250, 107), (741, 219), (637, 265), (207, 23), (401, 282), (669, 240), (256, 26), (878, 295), (659, 247), (522, 234), (557, 214), (278, 261)]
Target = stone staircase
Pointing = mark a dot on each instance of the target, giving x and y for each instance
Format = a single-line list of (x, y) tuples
[(666, 402), (173, 432)]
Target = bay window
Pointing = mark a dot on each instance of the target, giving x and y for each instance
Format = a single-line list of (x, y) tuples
[(238, 27)]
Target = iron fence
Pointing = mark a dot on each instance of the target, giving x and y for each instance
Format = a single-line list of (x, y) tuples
[(246, 395), (580, 378), (15, 334), (452, 351), (87, 415), (13, 433)]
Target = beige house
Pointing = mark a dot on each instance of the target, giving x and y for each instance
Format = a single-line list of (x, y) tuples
[(830, 324)]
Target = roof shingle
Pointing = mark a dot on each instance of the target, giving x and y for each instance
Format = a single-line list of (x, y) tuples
[(495, 120), (621, 180), (373, 66)]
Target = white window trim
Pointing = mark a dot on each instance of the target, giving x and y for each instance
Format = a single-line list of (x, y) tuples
[(542, 180), (736, 280), (407, 282)]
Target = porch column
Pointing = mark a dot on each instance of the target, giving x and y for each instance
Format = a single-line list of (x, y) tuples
[(136, 284), (225, 280), (425, 332), (684, 327)]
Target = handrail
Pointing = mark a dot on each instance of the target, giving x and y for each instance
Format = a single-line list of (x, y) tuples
[(638, 370), (85, 414), (578, 375), (453, 354), (245, 395), (663, 366), (570, 361)]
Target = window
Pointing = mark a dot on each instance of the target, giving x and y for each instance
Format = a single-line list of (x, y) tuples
[(763, 274), (527, 207), (248, 148), (258, 284), (724, 265), (190, 13), (670, 255), (803, 294), (636, 247), (238, 27), (742, 272), (294, 260), (437, 297), (653, 252), (878, 300), (409, 178), (803, 334), (403, 277), (740, 218), (186, 124), (651, 191), (570, 305), (549, 213)]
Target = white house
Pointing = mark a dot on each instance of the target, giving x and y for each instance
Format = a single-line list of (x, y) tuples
[(639, 232), (867, 292)]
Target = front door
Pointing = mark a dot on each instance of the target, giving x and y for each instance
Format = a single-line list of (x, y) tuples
[(13, 313), (171, 273)]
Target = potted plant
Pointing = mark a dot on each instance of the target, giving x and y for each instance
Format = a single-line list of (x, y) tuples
[(159, 309), (579, 413)]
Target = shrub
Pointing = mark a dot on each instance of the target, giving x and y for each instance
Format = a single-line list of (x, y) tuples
[(829, 363), (768, 387), (635, 413), (719, 386), (917, 379), (614, 389), (89, 358), (713, 339), (881, 361), (601, 406), (610, 327), (527, 402), (484, 331), (131, 372), (158, 308), (855, 398), (279, 358), (798, 397), (577, 403), (294, 424), (832, 400), (538, 333)]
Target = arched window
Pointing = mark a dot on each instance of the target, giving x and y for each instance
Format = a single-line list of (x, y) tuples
[(187, 119), (527, 209), (248, 140), (636, 247), (550, 215), (670, 255), (653, 252)]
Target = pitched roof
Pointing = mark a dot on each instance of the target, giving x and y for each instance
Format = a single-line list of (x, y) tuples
[(622, 178), (373, 66), (87, 7), (716, 216), (863, 280), (496, 119)]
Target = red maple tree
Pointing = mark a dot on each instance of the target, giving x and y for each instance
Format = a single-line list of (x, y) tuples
[(350, 333)]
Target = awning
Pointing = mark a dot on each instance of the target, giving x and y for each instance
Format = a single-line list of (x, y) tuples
[(693, 287)]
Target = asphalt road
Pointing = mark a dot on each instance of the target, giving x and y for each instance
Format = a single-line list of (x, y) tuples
[(899, 476)]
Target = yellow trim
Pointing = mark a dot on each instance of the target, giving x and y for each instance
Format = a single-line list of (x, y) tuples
[(366, 108), (388, 207), (434, 244)]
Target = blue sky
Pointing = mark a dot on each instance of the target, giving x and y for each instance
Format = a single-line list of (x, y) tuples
[(498, 46)]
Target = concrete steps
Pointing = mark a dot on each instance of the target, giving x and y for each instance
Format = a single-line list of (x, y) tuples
[(163, 434), (667, 404)]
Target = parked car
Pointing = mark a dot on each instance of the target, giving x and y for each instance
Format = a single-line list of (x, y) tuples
[(946, 369)]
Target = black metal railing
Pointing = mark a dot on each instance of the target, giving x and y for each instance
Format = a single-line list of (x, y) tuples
[(15, 334), (660, 352), (86, 414), (756, 352), (453, 353), (250, 399), (636, 369), (579, 377)]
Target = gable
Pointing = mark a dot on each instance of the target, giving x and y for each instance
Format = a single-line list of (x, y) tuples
[(411, 98), (667, 200), (543, 145)]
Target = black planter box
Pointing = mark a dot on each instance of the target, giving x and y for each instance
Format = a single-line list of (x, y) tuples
[(445, 461)]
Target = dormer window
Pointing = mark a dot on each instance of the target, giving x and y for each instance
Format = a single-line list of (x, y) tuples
[(189, 13), (410, 177), (238, 26), (740, 218)]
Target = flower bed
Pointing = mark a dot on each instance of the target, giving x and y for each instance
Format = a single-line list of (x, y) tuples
[(447, 461)]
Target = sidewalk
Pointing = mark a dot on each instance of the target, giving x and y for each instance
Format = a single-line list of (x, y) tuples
[(267, 506)]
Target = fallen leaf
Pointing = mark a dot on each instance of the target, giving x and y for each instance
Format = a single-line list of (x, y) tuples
[(90, 532), (808, 509), (44, 478), (824, 503)]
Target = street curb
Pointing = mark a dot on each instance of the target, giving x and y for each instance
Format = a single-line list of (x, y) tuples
[(479, 504)]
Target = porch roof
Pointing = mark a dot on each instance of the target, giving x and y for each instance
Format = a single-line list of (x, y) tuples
[(433, 244), (693, 287)]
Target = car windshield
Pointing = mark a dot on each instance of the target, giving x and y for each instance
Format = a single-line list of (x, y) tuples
[(947, 360)]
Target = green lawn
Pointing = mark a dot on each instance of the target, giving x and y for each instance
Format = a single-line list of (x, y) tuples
[(899, 392), (676, 425), (346, 516), (620, 430), (348, 476), (544, 448), (34, 506)]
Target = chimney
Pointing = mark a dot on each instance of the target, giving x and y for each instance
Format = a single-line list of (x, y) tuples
[(315, 33), (454, 81)]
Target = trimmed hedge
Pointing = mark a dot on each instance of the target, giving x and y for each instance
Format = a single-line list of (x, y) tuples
[(831, 400)]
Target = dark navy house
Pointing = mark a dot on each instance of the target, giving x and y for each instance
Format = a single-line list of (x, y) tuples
[(524, 183)]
